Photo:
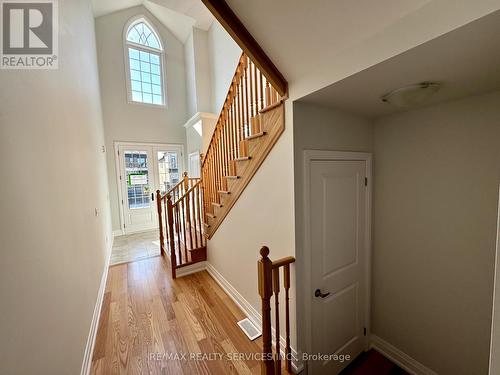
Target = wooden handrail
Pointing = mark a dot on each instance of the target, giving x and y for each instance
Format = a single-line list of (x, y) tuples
[(269, 283), (228, 19), (249, 94)]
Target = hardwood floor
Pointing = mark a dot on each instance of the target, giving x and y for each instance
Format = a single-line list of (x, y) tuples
[(146, 316)]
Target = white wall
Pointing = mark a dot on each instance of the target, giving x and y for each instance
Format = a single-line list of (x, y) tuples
[(437, 172), (199, 88), (53, 246), (224, 55), (125, 121)]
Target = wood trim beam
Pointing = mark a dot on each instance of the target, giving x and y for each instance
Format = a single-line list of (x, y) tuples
[(228, 19)]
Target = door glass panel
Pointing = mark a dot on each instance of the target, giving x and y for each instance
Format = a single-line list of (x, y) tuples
[(137, 179), (168, 168)]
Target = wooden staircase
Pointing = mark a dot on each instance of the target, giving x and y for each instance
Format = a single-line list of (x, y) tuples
[(250, 123)]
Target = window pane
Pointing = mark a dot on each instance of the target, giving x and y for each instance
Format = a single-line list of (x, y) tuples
[(157, 99), (136, 86), (155, 59), (146, 77), (142, 34), (136, 170), (153, 42), (146, 87), (144, 56), (133, 36), (135, 75), (155, 79), (136, 96), (156, 89), (147, 98), (145, 67), (134, 64), (133, 53), (155, 69)]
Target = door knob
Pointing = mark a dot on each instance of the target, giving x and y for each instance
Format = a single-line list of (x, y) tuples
[(318, 293)]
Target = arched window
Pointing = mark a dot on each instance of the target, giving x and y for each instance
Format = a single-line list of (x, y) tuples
[(144, 55)]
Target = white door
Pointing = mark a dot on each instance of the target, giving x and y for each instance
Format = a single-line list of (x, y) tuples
[(144, 169), (338, 242), (194, 165)]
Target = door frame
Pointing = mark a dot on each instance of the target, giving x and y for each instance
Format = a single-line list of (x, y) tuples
[(118, 165), (325, 155)]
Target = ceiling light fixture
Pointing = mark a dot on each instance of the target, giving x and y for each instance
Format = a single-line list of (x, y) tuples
[(411, 95)]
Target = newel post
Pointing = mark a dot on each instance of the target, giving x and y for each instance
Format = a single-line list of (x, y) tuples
[(170, 215), (160, 221), (265, 267)]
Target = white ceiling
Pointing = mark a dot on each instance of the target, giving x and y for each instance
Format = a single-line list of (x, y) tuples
[(179, 16), (315, 43), (466, 61)]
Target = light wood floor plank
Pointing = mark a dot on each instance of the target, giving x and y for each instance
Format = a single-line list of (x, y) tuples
[(146, 314)]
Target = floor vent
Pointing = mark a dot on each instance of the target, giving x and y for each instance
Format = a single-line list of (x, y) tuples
[(249, 328)]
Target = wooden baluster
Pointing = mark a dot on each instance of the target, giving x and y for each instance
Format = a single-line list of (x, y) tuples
[(195, 214), (251, 85), (216, 165), (166, 233), (246, 103), (227, 147), (261, 91), (235, 128), (189, 227), (183, 223), (286, 284), (160, 221), (199, 199), (173, 261), (264, 266), (242, 107), (268, 94), (276, 289), (178, 230)]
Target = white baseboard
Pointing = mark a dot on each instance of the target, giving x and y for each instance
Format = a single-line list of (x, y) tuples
[(117, 233), (400, 358), (193, 268), (252, 314), (89, 348)]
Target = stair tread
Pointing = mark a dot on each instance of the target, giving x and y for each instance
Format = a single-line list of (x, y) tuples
[(256, 135), (242, 158)]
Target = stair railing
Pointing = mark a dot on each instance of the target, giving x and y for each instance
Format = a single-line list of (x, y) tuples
[(180, 220), (250, 93), (269, 284)]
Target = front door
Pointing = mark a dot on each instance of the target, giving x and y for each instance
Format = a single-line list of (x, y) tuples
[(143, 170), (338, 228)]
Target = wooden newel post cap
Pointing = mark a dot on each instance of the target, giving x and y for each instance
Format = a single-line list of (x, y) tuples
[(264, 251), (185, 174), (169, 196)]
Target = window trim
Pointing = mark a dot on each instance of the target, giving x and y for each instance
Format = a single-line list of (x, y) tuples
[(126, 44)]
